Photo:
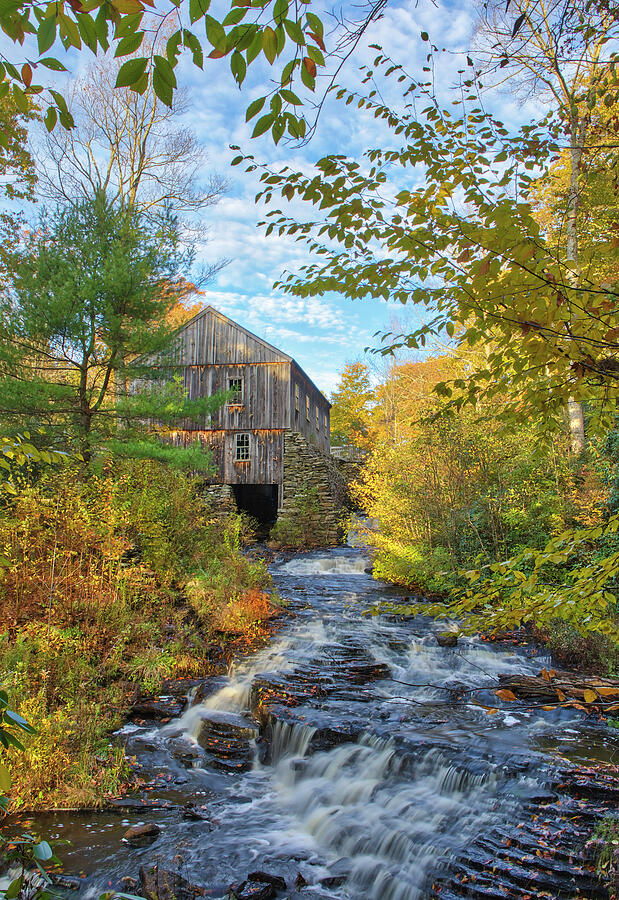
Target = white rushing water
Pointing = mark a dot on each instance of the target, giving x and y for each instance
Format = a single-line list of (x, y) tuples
[(325, 564), (372, 782)]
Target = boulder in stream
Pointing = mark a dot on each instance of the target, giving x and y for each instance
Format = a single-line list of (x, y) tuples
[(228, 739), (141, 834), (159, 884), (447, 638), (265, 878), (253, 890)]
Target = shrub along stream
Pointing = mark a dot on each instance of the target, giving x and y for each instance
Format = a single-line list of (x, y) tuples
[(111, 584)]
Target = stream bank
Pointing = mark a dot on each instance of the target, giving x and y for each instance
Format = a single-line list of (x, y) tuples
[(350, 758)]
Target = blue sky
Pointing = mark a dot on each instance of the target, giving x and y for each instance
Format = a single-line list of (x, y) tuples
[(322, 333)]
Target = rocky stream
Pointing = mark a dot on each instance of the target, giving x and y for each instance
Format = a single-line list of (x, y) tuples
[(350, 759)]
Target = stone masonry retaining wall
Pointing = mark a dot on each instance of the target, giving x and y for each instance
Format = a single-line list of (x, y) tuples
[(308, 472)]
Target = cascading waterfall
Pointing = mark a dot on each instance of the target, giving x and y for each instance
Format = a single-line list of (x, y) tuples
[(368, 768)]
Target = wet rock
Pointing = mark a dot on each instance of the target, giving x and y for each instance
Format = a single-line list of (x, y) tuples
[(138, 834), (185, 751), (300, 881), (66, 882), (253, 890), (265, 878), (195, 813), (228, 739), (158, 884), (332, 881), (447, 639), (157, 708), (129, 883)]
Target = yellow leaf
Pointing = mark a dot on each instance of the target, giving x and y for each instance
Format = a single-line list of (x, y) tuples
[(5, 778), (590, 696), (561, 695), (608, 691), (504, 694), (545, 675)]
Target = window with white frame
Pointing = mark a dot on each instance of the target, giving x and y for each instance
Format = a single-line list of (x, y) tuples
[(235, 387), (241, 448)]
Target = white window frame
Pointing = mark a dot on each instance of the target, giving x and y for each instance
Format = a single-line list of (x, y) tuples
[(242, 446), (239, 398)]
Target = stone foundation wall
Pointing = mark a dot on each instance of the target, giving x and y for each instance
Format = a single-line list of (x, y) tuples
[(220, 497), (314, 495)]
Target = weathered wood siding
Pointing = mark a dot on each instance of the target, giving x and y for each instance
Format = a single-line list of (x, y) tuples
[(310, 400), (266, 394), (210, 351), (212, 339), (266, 455)]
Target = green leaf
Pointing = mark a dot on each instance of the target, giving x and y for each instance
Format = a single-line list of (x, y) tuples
[(21, 101), (163, 89), (50, 63), (87, 30), (192, 42), (263, 125), (308, 80), (235, 16), (280, 11), (130, 72), (129, 44), (197, 8), (42, 851), (215, 34), (290, 97), (278, 129), (295, 32), (315, 24), (165, 70), (18, 720), (46, 35), (101, 26), (14, 888), (238, 67), (254, 108), (269, 44), (255, 47)]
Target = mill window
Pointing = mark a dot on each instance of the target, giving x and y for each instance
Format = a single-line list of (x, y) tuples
[(317, 420), (307, 408), (296, 397), (326, 424), (235, 386), (241, 453)]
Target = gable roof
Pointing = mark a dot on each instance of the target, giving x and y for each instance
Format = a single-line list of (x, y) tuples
[(211, 311)]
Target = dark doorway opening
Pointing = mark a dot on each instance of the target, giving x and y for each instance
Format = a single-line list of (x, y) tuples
[(258, 500)]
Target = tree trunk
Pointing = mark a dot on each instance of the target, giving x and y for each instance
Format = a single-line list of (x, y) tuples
[(574, 408)]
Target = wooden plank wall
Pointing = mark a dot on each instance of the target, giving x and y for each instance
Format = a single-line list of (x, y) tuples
[(211, 340), (266, 394), (319, 437), (266, 462)]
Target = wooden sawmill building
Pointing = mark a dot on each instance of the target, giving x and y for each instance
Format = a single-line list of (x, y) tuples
[(271, 395)]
